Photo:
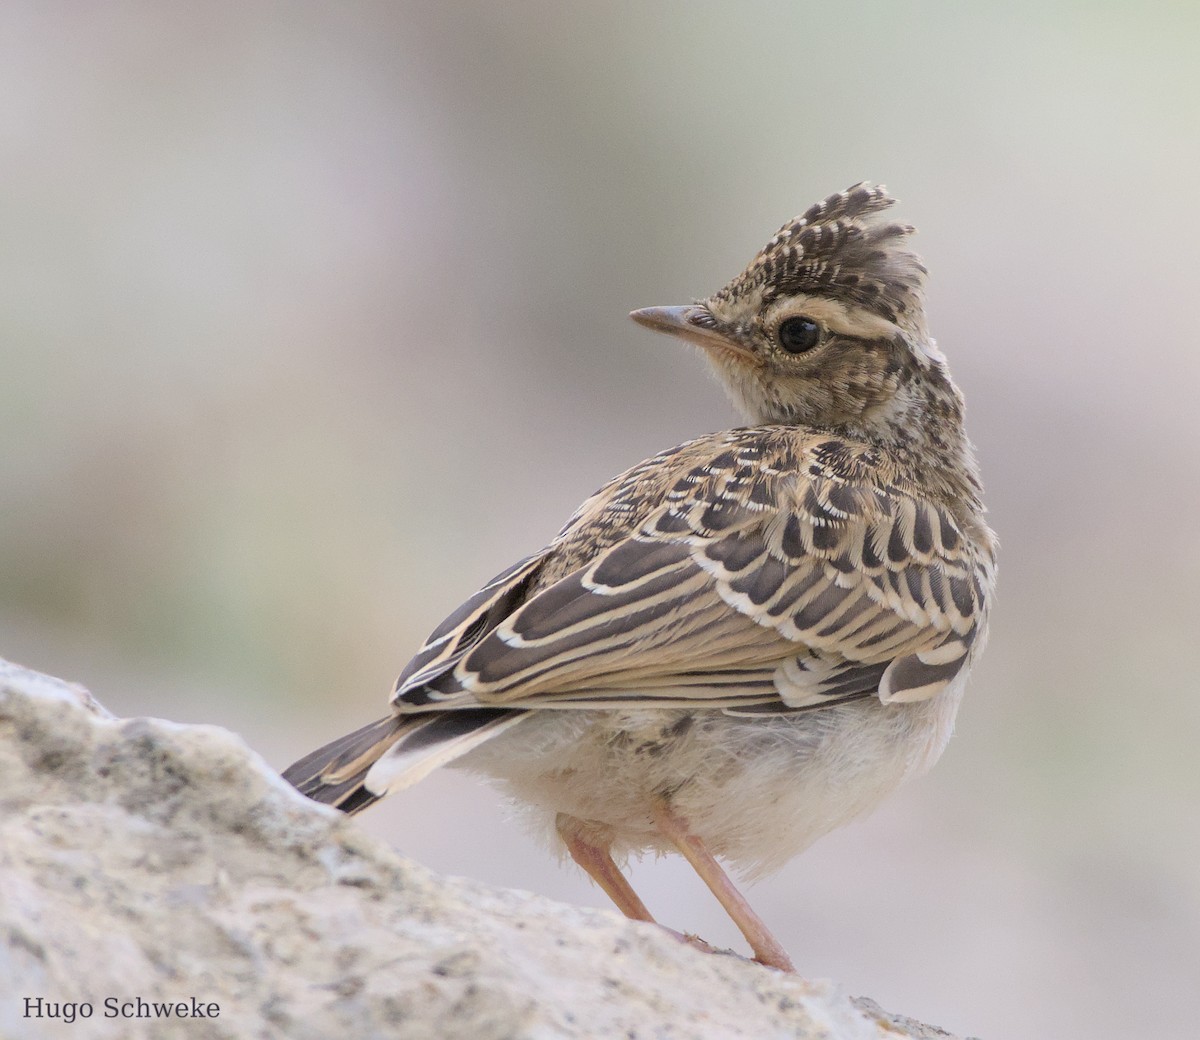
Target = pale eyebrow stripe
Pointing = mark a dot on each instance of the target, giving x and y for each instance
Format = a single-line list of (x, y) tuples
[(834, 315)]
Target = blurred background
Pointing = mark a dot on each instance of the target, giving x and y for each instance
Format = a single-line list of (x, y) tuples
[(314, 318)]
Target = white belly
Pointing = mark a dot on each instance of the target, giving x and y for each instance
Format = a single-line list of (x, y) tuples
[(756, 790)]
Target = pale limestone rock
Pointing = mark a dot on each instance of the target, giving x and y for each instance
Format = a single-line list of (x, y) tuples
[(145, 859)]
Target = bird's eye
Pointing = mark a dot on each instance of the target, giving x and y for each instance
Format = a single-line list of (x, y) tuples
[(796, 335)]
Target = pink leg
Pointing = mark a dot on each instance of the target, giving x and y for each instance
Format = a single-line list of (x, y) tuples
[(766, 947), (598, 863)]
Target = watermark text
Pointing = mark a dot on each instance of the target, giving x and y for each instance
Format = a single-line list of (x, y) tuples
[(120, 1007)]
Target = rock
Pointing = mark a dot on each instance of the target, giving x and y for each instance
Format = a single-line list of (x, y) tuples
[(145, 861)]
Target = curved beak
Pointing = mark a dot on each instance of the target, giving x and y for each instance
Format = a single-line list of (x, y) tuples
[(695, 323)]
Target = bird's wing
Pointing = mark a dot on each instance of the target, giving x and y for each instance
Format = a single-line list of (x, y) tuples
[(474, 619), (773, 574)]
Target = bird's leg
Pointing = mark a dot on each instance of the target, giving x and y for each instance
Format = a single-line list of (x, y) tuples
[(598, 863), (766, 947), (600, 867)]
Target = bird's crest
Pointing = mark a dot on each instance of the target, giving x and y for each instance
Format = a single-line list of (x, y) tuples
[(840, 248)]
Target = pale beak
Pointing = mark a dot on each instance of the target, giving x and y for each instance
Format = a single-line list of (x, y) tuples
[(695, 323)]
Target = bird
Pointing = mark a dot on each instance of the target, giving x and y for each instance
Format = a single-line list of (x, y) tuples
[(749, 639)]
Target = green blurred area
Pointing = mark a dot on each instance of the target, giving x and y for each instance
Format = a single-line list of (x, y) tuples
[(313, 318)]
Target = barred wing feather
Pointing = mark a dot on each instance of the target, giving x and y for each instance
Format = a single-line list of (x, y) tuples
[(752, 580)]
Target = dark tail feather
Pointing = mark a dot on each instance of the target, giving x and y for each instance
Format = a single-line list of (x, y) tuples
[(336, 774)]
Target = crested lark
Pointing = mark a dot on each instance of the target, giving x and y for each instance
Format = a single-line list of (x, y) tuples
[(742, 642)]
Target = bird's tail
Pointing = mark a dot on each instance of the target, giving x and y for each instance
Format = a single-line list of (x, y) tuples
[(405, 748)]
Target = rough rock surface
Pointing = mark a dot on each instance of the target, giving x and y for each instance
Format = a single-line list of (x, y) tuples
[(141, 859)]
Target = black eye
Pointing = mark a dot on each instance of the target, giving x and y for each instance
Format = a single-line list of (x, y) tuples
[(796, 335)]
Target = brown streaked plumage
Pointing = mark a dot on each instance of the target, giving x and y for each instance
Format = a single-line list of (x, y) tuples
[(746, 640)]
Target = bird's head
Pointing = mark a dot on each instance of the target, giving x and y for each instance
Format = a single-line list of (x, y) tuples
[(826, 326)]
